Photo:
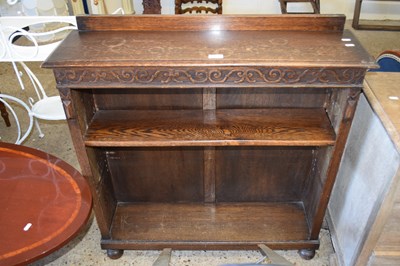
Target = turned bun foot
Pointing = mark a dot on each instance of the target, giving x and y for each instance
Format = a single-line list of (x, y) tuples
[(115, 253), (307, 254)]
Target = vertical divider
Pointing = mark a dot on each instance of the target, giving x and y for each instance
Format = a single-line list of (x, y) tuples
[(209, 103), (209, 174), (209, 98)]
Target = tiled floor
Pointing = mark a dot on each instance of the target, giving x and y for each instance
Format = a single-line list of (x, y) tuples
[(85, 249)]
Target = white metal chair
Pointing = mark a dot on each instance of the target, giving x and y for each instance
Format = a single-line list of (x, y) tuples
[(12, 28), (20, 137)]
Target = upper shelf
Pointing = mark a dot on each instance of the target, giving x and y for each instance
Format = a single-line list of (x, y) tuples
[(223, 127), (210, 41)]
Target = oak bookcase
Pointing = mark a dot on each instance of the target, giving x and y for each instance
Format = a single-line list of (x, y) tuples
[(210, 132)]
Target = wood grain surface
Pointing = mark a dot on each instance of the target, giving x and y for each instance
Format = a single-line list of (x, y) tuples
[(230, 127), (206, 23), (189, 224)]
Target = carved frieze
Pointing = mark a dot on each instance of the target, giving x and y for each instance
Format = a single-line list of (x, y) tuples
[(222, 76)]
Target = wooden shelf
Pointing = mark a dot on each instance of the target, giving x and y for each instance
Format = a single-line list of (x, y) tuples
[(217, 226), (223, 127)]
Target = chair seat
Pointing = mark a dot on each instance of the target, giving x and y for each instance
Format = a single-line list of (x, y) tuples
[(388, 61), (49, 108)]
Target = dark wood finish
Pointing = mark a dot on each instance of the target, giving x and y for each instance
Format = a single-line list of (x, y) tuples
[(326, 166), (187, 225), (149, 99), (214, 8), (4, 114), (209, 174), (151, 7), (178, 176), (199, 77), (208, 23), (102, 190), (78, 115), (115, 253), (356, 19), (315, 4), (307, 254), (262, 174), (190, 152), (333, 166), (227, 98), (45, 202), (171, 61), (224, 127)]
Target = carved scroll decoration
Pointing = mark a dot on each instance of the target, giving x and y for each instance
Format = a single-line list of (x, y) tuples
[(220, 76)]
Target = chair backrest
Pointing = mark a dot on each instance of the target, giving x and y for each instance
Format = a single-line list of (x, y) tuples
[(192, 6)]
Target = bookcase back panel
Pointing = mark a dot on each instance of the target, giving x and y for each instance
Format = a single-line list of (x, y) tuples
[(262, 173), (153, 99), (157, 174), (271, 97)]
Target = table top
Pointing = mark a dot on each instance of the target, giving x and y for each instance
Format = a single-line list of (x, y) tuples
[(44, 203), (383, 93)]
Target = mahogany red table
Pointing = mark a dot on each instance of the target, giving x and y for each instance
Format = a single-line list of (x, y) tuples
[(44, 204)]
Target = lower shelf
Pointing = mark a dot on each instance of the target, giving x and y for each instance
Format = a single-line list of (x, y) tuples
[(209, 226)]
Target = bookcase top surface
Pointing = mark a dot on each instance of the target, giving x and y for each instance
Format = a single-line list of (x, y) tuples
[(211, 45)]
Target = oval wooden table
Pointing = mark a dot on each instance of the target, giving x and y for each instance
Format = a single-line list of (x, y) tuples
[(44, 204)]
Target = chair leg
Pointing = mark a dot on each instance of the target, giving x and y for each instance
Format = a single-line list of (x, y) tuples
[(178, 7), (283, 6), (41, 135), (314, 3), (356, 17), (315, 6), (273, 256), (318, 3), (4, 114), (164, 258)]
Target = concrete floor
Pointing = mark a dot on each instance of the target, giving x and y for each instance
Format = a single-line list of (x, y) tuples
[(85, 249)]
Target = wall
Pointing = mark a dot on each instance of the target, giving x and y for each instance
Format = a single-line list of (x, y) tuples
[(370, 10)]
